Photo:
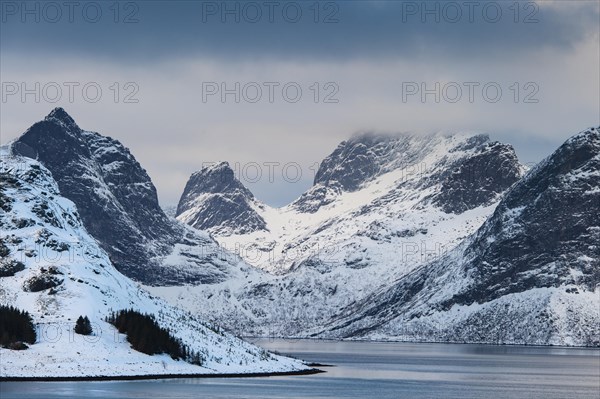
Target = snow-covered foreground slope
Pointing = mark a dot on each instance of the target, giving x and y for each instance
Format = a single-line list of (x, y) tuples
[(390, 205), (529, 275), (60, 272)]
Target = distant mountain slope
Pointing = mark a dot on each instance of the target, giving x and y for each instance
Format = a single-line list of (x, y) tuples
[(119, 207), (52, 268), (407, 201), (530, 274)]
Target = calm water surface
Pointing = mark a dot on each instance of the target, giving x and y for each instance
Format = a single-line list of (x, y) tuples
[(372, 370)]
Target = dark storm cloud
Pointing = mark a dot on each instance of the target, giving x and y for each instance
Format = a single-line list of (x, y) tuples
[(345, 29)]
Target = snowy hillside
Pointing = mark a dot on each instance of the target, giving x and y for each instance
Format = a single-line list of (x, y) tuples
[(530, 274), (52, 268)]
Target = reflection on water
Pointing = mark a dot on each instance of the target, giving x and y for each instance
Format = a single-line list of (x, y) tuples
[(374, 370)]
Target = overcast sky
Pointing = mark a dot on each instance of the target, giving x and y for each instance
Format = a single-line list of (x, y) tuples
[(360, 65)]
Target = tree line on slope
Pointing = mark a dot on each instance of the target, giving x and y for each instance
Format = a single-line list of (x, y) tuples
[(16, 328), (146, 336)]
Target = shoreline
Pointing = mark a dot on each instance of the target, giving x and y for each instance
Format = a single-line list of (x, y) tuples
[(253, 340), (162, 376)]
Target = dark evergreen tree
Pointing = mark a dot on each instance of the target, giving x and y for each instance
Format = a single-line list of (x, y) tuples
[(146, 336), (15, 326), (83, 326)]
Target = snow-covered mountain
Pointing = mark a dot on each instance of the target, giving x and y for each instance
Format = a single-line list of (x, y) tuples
[(530, 274), (52, 268), (214, 200), (400, 237), (118, 205), (468, 170), (371, 195), (380, 207)]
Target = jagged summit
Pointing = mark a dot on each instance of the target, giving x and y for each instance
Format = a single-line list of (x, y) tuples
[(118, 203), (367, 155), (353, 162), (472, 169), (57, 127), (215, 167), (61, 116), (219, 178), (215, 200)]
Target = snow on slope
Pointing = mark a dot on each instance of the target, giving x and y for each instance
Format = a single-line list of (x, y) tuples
[(375, 226), (529, 275), (42, 230), (396, 205)]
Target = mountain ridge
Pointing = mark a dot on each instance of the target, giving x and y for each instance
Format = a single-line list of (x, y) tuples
[(435, 237), (119, 205)]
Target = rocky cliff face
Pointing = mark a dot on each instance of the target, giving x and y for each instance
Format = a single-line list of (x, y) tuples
[(478, 180), (546, 232), (215, 200), (530, 274), (118, 204)]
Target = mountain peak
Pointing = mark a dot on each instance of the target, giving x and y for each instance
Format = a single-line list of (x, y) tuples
[(215, 200), (60, 115), (589, 137), (115, 198), (222, 169), (473, 170), (218, 166)]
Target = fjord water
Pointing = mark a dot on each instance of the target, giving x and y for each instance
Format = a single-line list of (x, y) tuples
[(373, 370)]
